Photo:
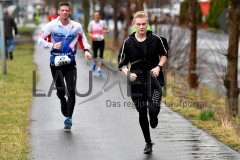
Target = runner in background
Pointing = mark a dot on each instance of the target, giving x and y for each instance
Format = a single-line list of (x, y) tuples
[(9, 26), (53, 14), (96, 30)]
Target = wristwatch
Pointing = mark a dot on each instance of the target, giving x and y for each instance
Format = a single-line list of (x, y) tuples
[(159, 67)]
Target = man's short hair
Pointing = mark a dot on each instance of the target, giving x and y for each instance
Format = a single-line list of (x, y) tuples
[(64, 4), (140, 14)]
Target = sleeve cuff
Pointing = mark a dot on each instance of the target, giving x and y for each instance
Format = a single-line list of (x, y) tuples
[(121, 68)]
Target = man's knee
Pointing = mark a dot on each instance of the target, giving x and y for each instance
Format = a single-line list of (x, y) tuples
[(71, 92), (140, 106)]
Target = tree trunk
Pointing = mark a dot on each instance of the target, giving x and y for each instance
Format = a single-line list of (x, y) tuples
[(128, 19), (139, 5), (192, 75), (116, 5), (94, 5), (102, 4), (230, 81), (115, 33), (86, 10)]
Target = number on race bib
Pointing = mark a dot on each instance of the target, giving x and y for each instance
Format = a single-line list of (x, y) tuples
[(61, 60)]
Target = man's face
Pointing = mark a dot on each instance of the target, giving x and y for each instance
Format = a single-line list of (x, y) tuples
[(141, 25), (64, 12)]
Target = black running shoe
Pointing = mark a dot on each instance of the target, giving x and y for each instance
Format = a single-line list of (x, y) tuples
[(64, 107), (11, 55), (148, 149), (153, 121)]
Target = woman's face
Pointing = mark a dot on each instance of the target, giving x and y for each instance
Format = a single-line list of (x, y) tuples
[(96, 16)]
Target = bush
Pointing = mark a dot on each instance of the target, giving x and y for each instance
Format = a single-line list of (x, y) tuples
[(206, 114), (216, 8)]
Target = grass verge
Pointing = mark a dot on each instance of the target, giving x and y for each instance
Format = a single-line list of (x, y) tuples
[(217, 122), (26, 30), (15, 102)]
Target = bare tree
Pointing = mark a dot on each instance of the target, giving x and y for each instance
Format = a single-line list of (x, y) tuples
[(102, 4), (192, 75), (230, 81), (86, 10), (94, 2), (139, 5), (128, 18), (116, 6), (178, 46)]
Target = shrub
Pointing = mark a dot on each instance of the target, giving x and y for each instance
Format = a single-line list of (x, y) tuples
[(206, 114), (216, 8)]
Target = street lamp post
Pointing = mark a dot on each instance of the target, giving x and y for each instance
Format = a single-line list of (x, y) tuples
[(3, 47), (4, 66)]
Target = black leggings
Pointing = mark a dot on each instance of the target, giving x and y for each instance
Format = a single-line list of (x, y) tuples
[(98, 45), (69, 73), (142, 103)]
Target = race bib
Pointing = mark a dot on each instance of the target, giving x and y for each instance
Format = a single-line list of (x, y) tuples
[(98, 37), (61, 60)]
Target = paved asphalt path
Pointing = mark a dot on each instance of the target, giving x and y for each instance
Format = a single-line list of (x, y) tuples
[(106, 128)]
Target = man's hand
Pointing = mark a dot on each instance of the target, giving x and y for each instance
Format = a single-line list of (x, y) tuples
[(133, 77), (88, 55), (155, 71), (57, 45)]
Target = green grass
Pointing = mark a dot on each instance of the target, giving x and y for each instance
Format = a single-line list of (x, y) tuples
[(15, 102), (26, 29), (206, 115)]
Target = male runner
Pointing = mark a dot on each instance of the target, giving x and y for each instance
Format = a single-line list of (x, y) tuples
[(64, 35)]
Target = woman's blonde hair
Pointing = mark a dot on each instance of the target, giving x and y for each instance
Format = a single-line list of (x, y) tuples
[(140, 14)]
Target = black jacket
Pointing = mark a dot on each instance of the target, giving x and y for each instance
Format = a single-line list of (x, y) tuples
[(9, 25), (140, 60)]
